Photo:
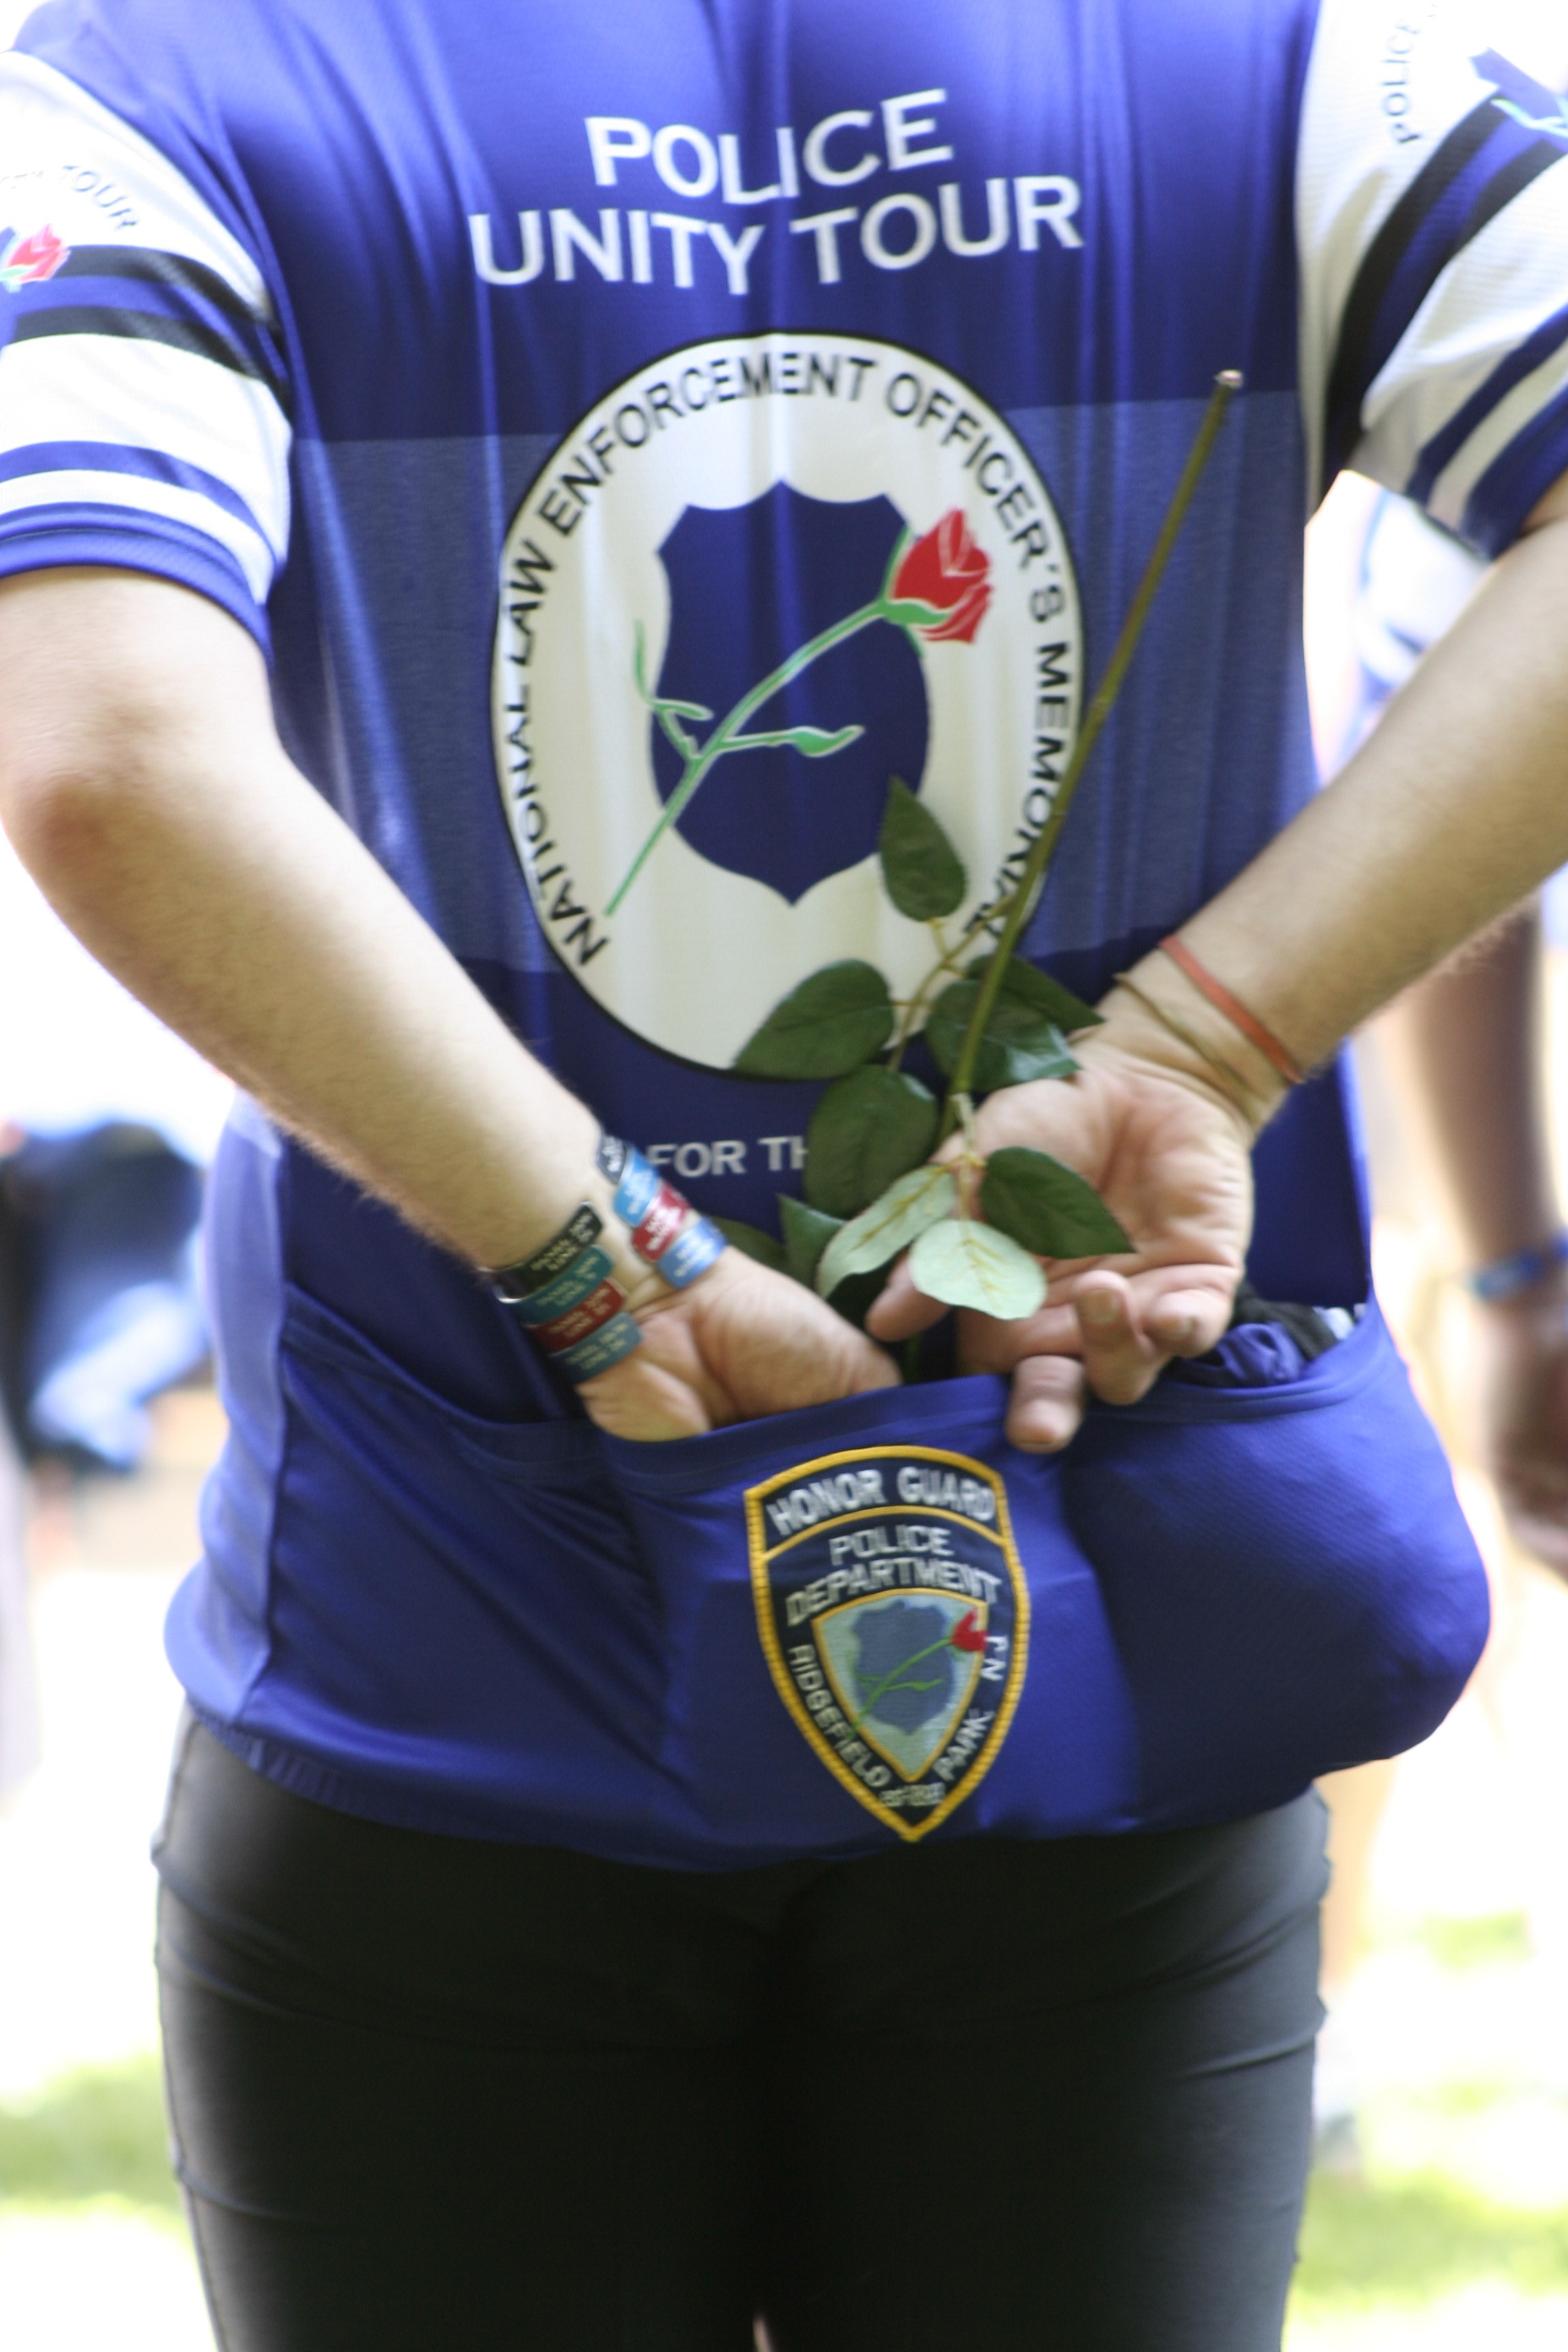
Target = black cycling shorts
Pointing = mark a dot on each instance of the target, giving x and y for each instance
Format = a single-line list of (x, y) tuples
[(436, 2095)]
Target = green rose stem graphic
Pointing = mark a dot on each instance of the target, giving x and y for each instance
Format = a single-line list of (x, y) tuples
[(963, 1635), (961, 1083), (893, 1680), (908, 612), (976, 1234)]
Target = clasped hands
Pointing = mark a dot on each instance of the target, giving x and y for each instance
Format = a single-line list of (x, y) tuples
[(1168, 1153)]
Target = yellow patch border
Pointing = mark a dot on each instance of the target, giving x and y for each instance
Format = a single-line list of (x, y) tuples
[(760, 1554)]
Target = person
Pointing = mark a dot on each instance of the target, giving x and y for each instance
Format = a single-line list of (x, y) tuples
[(1464, 1053), (106, 1125), (391, 351)]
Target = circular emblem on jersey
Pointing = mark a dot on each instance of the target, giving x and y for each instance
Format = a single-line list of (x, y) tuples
[(760, 578), (895, 1620)]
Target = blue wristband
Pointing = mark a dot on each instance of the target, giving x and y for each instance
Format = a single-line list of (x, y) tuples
[(639, 1187), (1505, 1278), (692, 1254), (636, 1184)]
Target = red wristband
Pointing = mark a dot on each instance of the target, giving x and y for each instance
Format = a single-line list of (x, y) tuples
[(1235, 1012)]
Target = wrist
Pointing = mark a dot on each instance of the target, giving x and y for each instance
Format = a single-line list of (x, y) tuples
[(632, 1243), (1156, 1012), (1520, 1280)]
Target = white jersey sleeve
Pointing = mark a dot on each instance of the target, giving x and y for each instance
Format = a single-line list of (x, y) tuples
[(143, 410), (1432, 218)]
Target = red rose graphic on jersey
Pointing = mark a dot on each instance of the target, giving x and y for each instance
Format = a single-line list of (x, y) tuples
[(28, 260), (947, 572)]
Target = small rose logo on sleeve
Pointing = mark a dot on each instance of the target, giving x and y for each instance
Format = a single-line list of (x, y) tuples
[(30, 259), (951, 576)]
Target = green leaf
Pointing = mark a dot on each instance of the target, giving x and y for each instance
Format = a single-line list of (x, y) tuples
[(763, 1247), (922, 872), (813, 743), (888, 1226), (1046, 994), (806, 1234), (806, 1231), (867, 1128), (830, 1023), (1019, 1043), (966, 1263), (1047, 1206)]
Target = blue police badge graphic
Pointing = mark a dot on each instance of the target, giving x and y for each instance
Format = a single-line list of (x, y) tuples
[(708, 666), (894, 1617)]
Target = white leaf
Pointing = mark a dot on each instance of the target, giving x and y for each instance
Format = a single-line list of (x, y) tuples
[(966, 1263), (902, 1213)]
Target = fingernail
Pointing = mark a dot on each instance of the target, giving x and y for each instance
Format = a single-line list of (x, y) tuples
[(1098, 1306)]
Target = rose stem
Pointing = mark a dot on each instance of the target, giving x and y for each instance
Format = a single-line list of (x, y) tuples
[(961, 1081)]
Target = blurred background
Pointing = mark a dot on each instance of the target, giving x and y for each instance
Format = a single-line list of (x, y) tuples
[(1439, 2213)]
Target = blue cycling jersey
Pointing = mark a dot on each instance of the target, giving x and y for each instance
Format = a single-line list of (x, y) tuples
[(550, 392)]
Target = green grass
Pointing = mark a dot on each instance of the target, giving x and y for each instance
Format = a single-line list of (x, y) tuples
[(1478, 1943), (1410, 2241), (99, 2133)]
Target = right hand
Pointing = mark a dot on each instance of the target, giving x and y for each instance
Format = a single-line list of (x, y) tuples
[(1170, 1157), (1519, 1371), (740, 1343)]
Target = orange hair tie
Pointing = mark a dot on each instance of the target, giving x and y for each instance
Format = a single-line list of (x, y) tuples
[(1235, 1012)]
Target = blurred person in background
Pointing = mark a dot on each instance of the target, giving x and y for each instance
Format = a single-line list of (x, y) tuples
[(1385, 583), (107, 1124), (18, 1691), (1460, 1059)]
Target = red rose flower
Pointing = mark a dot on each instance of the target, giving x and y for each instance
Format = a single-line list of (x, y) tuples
[(966, 1635), (33, 259), (946, 572)]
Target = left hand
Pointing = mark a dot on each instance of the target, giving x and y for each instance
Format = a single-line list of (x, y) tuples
[(742, 1342), (1170, 1155)]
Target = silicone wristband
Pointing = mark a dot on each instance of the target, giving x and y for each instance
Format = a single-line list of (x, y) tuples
[(666, 1212), (1505, 1278), (590, 1315), (513, 1283), (692, 1254), (579, 1281), (665, 1231), (636, 1184), (600, 1351)]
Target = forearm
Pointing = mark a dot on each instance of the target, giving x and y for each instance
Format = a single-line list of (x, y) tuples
[(175, 838), (1453, 811)]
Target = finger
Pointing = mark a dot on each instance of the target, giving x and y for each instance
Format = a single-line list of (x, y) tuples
[(1046, 1404), (640, 1398), (1120, 1360), (900, 1310), (985, 1345), (871, 1369), (1187, 1322)]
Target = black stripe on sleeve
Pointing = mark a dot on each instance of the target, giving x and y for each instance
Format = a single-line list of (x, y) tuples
[(152, 267), (149, 327), (1357, 360)]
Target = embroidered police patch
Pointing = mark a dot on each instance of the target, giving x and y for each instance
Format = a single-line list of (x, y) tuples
[(895, 1620)]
